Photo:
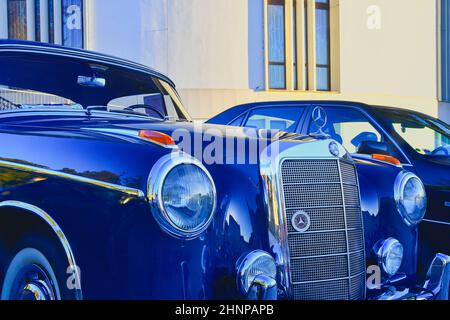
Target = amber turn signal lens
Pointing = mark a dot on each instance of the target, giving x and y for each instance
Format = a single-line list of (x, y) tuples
[(386, 158), (157, 137)]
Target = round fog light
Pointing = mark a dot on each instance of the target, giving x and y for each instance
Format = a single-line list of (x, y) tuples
[(390, 255), (252, 265)]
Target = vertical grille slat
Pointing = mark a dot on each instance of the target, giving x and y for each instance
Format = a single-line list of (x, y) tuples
[(327, 261)]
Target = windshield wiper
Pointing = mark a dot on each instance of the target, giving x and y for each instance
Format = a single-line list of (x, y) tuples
[(131, 112), (95, 108), (89, 110)]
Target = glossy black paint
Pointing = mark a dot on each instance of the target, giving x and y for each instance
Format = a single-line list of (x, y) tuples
[(120, 249)]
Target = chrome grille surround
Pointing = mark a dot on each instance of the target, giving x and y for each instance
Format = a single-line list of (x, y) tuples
[(328, 260)]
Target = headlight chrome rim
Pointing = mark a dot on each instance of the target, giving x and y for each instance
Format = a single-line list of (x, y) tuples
[(385, 247), (158, 175), (245, 263), (399, 187)]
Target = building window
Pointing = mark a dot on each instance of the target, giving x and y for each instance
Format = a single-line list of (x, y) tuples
[(17, 19), (72, 21), (276, 44), (305, 45), (299, 44), (53, 21), (445, 50), (37, 14), (323, 44)]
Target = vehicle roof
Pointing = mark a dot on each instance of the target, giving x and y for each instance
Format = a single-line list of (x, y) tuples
[(32, 46), (341, 103), (236, 111)]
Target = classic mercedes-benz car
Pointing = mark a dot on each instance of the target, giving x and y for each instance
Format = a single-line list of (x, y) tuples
[(108, 191), (419, 142)]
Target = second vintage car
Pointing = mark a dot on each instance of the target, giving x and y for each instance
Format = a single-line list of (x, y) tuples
[(100, 198), (420, 143)]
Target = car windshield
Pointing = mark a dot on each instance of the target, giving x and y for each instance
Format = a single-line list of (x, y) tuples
[(427, 135), (35, 80)]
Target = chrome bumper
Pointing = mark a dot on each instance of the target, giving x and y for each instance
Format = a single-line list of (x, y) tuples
[(436, 287)]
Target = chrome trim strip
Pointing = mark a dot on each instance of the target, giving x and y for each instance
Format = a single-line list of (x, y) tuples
[(438, 222), (335, 279), (323, 231), (56, 229), (319, 184), (362, 225), (327, 255), (271, 161), (322, 207), (23, 167), (345, 223)]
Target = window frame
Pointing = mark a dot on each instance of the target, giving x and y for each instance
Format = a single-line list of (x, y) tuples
[(444, 50), (277, 63), (9, 25), (48, 15), (83, 24), (327, 8), (301, 70)]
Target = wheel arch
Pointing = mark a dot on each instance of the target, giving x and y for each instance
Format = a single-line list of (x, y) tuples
[(50, 226)]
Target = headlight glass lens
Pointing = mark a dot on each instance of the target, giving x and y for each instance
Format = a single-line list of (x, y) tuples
[(188, 197), (392, 256), (255, 264), (413, 200)]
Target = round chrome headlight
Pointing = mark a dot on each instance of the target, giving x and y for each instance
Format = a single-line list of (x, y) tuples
[(410, 196), (182, 194), (254, 264), (390, 255)]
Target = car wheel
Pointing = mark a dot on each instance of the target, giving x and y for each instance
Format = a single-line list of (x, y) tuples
[(36, 271)]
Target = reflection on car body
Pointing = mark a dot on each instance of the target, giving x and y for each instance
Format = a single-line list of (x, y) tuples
[(100, 202)]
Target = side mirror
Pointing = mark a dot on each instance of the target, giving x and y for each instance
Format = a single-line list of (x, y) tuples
[(372, 147)]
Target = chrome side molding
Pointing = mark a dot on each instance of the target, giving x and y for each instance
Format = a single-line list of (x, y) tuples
[(27, 168)]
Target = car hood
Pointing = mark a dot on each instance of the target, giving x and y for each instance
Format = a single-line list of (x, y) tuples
[(125, 127)]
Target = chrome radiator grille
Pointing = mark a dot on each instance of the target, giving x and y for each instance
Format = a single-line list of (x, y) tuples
[(327, 261)]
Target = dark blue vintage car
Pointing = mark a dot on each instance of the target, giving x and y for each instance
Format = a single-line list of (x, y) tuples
[(419, 142), (108, 191)]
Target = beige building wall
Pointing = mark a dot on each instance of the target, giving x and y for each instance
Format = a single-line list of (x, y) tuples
[(214, 50)]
